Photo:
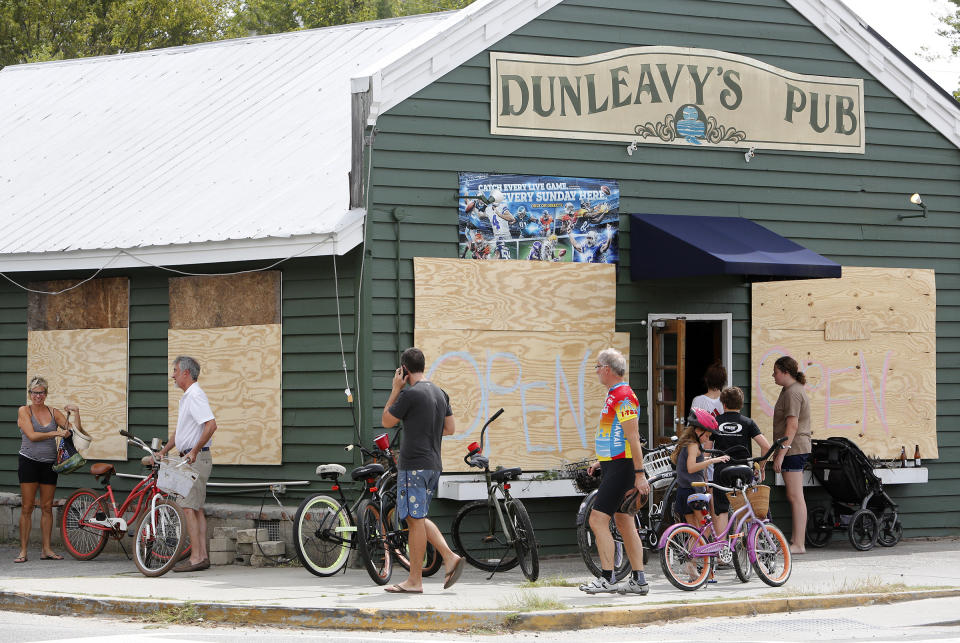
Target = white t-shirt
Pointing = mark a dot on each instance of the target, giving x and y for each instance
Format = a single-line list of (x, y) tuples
[(708, 404), (193, 414)]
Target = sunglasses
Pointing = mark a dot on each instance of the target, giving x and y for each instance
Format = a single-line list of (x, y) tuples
[(38, 392)]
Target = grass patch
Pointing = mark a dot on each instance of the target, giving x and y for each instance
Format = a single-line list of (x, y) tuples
[(530, 603), (553, 581), (186, 614)]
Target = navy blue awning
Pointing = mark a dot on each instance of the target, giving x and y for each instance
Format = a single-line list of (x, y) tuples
[(663, 245)]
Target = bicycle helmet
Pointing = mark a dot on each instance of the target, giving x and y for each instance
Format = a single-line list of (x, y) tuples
[(698, 501), (700, 419), (632, 502)]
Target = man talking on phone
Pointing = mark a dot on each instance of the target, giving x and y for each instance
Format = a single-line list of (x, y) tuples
[(425, 411)]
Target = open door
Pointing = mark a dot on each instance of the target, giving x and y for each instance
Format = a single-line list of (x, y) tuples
[(669, 376)]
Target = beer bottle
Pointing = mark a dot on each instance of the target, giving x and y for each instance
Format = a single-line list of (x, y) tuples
[(903, 457), (916, 456)]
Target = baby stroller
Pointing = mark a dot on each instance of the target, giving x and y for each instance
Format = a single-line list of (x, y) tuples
[(859, 504)]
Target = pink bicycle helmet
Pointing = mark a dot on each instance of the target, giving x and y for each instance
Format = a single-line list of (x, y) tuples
[(701, 419)]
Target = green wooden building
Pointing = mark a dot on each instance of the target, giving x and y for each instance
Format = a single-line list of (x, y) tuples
[(340, 152)]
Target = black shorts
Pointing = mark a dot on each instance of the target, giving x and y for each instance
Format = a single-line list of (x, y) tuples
[(721, 504), (618, 478), (32, 471)]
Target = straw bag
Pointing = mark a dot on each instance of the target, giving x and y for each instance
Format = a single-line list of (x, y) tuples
[(176, 476), (759, 497)]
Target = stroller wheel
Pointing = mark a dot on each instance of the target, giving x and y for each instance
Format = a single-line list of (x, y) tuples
[(864, 529), (819, 530), (891, 529)]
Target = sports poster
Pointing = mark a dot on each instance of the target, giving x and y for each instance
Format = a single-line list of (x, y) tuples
[(538, 218)]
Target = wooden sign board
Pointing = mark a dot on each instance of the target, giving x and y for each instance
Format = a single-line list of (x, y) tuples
[(523, 336), (240, 371), (543, 297), (867, 345), (86, 367)]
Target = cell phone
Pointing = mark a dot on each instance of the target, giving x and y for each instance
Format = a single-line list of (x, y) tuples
[(403, 371)]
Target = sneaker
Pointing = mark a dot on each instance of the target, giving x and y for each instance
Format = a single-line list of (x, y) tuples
[(600, 586), (633, 587)]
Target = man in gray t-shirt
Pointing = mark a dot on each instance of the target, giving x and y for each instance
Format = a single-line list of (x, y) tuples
[(425, 411)]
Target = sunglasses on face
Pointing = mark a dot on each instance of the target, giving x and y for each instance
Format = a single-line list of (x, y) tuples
[(38, 392)]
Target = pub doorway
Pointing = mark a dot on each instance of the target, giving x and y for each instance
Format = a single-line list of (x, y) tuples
[(679, 349)]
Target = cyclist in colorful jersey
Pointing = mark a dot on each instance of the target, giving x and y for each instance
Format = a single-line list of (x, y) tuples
[(621, 462)]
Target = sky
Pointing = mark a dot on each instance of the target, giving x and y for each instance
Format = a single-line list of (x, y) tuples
[(909, 25)]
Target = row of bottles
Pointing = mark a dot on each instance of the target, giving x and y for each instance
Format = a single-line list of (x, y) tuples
[(903, 457)]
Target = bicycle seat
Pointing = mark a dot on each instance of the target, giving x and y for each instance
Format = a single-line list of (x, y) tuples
[(738, 473), (373, 470), (504, 475), (331, 471), (102, 470)]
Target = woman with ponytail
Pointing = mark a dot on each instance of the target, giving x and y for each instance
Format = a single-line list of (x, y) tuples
[(791, 418)]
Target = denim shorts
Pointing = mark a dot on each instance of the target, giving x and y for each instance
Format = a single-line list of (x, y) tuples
[(794, 462), (415, 490)]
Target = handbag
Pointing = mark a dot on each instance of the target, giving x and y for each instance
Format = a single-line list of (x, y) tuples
[(68, 458)]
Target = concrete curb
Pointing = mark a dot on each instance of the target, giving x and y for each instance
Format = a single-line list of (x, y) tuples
[(445, 620)]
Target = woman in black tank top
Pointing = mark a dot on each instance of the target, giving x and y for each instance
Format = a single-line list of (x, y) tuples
[(39, 426)]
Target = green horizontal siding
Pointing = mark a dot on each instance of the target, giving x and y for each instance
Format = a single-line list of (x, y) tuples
[(842, 206)]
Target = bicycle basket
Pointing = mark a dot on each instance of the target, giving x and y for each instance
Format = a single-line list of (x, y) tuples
[(657, 462), (583, 481), (759, 497), (176, 477)]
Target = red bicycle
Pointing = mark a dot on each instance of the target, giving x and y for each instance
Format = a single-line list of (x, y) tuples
[(160, 535)]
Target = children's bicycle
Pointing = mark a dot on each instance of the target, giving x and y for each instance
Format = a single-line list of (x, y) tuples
[(495, 534), (688, 554), (326, 529), (160, 535)]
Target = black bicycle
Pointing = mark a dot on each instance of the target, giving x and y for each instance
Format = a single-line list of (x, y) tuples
[(496, 534), (326, 529), (651, 521)]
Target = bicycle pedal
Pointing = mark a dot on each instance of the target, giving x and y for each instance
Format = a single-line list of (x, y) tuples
[(488, 539)]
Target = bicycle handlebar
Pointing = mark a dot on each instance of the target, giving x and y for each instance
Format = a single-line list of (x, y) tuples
[(773, 447), (134, 440)]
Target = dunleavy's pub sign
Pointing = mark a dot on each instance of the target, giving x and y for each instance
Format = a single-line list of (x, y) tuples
[(674, 95)]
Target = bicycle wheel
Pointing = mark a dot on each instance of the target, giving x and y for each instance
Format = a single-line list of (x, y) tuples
[(588, 549), (684, 570), (771, 552), (83, 542), (523, 539), (863, 530), (372, 543), (819, 529), (891, 530), (397, 530), (322, 534), (478, 536), (159, 539), (741, 560)]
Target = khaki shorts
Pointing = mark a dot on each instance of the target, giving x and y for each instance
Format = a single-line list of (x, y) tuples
[(197, 495)]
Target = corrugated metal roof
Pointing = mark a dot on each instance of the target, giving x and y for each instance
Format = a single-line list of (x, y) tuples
[(232, 140)]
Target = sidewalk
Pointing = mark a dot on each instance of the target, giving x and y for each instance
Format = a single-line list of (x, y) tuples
[(837, 576)]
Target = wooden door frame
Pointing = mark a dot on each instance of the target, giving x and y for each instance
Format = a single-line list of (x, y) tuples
[(726, 333)]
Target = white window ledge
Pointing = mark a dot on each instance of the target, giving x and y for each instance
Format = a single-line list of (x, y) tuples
[(910, 475), (473, 487)]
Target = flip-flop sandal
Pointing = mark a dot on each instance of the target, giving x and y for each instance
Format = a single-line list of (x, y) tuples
[(52, 557), (20, 559), (454, 574), (397, 589)]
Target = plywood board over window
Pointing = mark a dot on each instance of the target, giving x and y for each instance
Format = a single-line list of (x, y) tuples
[(231, 326), (867, 345), (78, 341), (532, 355)]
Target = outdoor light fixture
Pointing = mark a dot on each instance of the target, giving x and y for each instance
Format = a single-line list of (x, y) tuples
[(917, 201)]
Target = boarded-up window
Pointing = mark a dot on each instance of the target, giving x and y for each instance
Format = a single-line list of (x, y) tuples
[(78, 341), (523, 336), (231, 326), (867, 345)]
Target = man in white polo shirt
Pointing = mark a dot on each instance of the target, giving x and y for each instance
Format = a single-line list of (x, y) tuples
[(192, 438)]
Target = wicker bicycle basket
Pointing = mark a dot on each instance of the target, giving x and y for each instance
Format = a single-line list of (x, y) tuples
[(759, 497)]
